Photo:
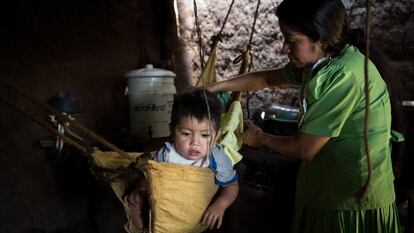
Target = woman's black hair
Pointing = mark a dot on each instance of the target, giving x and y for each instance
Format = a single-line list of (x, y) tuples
[(320, 20), (194, 104)]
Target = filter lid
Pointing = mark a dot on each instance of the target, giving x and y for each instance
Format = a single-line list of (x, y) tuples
[(150, 71)]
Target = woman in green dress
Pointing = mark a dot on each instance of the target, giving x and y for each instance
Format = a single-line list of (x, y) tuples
[(331, 130)]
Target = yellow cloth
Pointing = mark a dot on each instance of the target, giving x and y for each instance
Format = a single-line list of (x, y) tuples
[(178, 194), (231, 121), (231, 126), (113, 160), (209, 74)]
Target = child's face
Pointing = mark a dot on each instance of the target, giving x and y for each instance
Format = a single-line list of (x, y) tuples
[(193, 139)]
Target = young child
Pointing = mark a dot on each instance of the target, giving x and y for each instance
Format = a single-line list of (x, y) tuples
[(195, 128)]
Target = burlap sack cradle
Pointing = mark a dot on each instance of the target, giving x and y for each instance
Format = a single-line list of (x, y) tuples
[(178, 194)]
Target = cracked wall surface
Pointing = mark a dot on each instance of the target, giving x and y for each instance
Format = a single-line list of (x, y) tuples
[(392, 33)]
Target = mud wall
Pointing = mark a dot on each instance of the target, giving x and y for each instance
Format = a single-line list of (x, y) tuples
[(392, 33)]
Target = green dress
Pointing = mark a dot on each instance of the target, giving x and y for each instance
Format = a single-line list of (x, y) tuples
[(334, 106)]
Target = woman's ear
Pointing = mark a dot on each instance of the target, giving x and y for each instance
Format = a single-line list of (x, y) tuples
[(324, 45), (321, 46)]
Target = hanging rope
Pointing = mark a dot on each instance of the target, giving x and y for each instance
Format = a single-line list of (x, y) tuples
[(254, 24), (362, 193), (247, 61), (251, 62), (215, 40), (225, 20), (199, 39)]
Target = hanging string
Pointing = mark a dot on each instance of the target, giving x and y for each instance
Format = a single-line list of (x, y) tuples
[(245, 59), (254, 24), (362, 193), (225, 20), (199, 39), (203, 65), (200, 47), (251, 63), (216, 38)]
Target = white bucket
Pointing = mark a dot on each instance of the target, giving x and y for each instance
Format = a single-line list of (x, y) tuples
[(150, 95)]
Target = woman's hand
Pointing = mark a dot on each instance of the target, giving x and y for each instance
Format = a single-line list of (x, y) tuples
[(252, 135)]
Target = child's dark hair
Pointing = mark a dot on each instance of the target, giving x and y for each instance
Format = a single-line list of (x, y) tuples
[(193, 104)]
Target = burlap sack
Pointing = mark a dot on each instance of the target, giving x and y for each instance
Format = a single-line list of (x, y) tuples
[(178, 194)]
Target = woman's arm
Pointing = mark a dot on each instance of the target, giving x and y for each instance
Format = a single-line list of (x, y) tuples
[(303, 146), (214, 213), (251, 81)]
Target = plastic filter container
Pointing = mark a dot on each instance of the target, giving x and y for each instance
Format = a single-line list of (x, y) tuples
[(150, 95)]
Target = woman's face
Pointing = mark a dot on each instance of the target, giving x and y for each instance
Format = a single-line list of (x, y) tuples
[(194, 139), (301, 50)]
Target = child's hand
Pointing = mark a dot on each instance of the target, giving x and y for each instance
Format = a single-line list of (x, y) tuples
[(133, 196), (214, 214), (133, 199), (135, 202)]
